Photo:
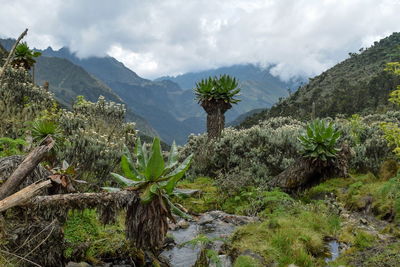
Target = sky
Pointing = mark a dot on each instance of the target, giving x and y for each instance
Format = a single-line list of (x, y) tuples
[(168, 37)]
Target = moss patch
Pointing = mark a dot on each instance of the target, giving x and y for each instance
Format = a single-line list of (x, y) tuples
[(295, 235), (207, 200), (87, 240), (246, 261)]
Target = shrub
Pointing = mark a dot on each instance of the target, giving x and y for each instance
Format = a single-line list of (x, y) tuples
[(20, 101), (388, 169), (250, 156), (366, 138), (10, 146), (95, 137)]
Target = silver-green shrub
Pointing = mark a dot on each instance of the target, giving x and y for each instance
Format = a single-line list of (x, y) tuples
[(20, 102), (251, 155), (95, 137), (366, 138)]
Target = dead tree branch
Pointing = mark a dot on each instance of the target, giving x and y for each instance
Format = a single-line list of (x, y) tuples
[(11, 54), (23, 195), (26, 167)]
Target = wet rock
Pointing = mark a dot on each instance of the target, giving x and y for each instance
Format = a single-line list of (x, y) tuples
[(343, 247), (172, 226), (345, 215), (215, 225), (229, 218), (183, 224), (169, 242), (205, 219)]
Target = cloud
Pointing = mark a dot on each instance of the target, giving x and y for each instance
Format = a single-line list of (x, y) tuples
[(167, 37)]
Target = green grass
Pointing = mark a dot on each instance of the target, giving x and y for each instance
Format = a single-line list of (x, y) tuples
[(295, 235), (206, 201), (246, 261), (358, 191), (363, 240), (251, 201)]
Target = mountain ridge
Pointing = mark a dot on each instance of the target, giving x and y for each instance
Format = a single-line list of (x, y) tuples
[(358, 84)]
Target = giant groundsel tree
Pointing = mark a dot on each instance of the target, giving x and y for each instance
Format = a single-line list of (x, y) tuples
[(24, 56), (216, 96)]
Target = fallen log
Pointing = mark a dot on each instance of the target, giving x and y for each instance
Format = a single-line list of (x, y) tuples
[(306, 172), (30, 162), (82, 201), (23, 195)]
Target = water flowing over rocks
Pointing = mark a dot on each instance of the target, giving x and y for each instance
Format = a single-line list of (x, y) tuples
[(215, 225)]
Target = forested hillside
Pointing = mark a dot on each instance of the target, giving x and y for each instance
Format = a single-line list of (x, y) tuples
[(359, 84)]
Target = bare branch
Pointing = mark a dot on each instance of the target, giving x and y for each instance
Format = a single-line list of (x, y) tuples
[(26, 167), (11, 54)]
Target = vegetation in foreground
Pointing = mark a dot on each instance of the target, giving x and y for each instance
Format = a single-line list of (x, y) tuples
[(233, 174)]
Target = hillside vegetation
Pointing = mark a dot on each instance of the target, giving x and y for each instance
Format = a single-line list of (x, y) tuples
[(359, 84), (68, 80), (284, 191)]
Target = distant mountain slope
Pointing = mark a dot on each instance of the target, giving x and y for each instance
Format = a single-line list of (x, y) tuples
[(259, 88), (155, 101), (172, 111), (357, 84), (7, 44), (245, 72), (108, 69), (68, 80)]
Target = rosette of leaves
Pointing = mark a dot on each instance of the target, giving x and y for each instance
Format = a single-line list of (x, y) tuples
[(151, 175), (156, 181), (42, 128), (223, 88), (24, 56), (319, 142), (216, 96)]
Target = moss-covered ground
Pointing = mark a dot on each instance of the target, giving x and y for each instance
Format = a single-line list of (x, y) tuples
[(88, 240), (292, 229)]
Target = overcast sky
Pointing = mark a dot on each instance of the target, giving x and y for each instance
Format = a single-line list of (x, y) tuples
[(168, 37)]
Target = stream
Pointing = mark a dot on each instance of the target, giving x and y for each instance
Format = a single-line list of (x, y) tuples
[(333, 247), (216, 225)]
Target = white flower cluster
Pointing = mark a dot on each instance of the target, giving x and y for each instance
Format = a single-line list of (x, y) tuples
[(96, 135)]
